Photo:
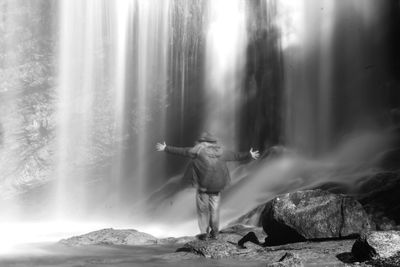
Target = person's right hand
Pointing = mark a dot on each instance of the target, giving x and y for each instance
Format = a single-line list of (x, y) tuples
[(160, 147), (254, 154)]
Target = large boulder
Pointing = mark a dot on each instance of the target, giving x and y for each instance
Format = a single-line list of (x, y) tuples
[(111, 237), (312, 215)]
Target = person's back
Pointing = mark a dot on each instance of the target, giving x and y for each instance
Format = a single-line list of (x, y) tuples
[(210, 168), (209, 173)]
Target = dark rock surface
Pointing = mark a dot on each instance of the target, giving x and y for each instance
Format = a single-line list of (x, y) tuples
[(380, 198), (377, 193), (312, 214)]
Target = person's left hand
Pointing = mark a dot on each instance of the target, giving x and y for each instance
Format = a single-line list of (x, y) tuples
[(254, 153), (160, 147)]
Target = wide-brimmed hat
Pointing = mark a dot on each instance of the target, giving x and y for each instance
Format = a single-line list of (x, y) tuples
[(207, 137)]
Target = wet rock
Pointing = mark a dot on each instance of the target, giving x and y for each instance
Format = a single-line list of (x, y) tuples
[(312, 214), (111, 237), (289, 259)]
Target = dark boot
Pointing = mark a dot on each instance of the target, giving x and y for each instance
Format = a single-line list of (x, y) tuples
[(203, 237), (213, 235)]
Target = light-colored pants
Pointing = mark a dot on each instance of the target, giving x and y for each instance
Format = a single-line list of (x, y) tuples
[(208, 212)]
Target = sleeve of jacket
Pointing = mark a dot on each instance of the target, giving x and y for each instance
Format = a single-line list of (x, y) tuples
[(180, 151), (235, 156)]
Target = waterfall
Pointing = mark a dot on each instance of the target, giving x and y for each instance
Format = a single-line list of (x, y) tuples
[(308, 76), (112, 84), (225, 59), (121, 51), (151, 84), (331, 124), (297, 38), (81, 46), (323, 95), (123, 14)]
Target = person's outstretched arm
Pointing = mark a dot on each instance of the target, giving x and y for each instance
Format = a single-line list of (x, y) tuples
[(180, 151), (239, 156)]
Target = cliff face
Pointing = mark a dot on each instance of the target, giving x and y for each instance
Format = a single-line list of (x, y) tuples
[(26, 94), (29, 101)]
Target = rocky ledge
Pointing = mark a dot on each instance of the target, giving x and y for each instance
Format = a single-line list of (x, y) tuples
[(376, 248), (311, 227), (225, 247)]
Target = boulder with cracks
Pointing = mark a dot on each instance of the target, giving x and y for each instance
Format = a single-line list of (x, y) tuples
[(312, 215)]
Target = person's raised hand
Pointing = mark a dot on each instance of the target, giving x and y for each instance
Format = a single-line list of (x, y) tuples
[(254, 153), (160, 147)]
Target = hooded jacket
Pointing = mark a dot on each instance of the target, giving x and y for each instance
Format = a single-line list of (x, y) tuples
[(207, 168)]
